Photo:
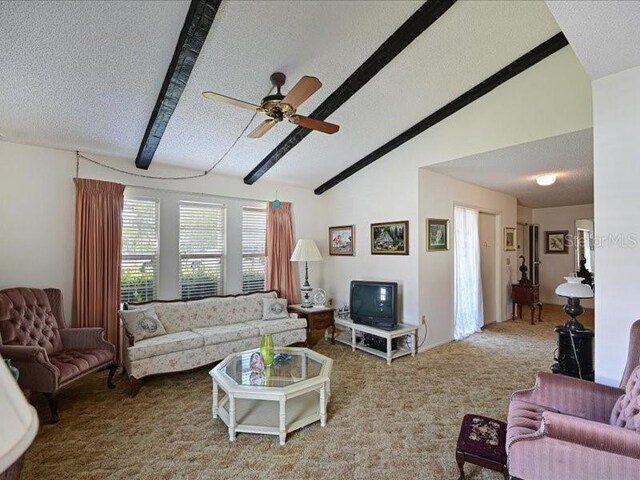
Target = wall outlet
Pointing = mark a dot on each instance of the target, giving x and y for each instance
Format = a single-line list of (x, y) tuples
[(424, 319)]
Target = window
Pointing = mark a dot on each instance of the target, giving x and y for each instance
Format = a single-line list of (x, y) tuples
[(254, 226), (202, 247), (139, 268)]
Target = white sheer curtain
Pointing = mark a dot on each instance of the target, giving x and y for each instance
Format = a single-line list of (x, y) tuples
[(467, 292)]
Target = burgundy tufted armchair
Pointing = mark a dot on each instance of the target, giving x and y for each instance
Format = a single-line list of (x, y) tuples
[(570, 428), (50, 356)]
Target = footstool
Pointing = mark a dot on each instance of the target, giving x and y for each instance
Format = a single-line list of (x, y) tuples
[(482, 442)]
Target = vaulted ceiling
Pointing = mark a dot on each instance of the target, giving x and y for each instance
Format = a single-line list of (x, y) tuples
[(86, 75)]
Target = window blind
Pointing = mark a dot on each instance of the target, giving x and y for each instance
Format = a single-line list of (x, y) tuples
[(202, 248), (139, 267), (254, 227)]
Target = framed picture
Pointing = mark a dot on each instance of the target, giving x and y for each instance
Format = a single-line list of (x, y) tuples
[(390, 238), (437, 234), (341, 240), (556, 241), (509, 239)]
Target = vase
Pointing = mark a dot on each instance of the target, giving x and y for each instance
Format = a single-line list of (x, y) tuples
[(266, 348), (14, 371)]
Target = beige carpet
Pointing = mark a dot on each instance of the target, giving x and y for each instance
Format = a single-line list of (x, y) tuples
[(385, 422)]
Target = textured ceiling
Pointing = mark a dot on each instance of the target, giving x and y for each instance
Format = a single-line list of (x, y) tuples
[(86, 74), (513, 170), (604, 34)]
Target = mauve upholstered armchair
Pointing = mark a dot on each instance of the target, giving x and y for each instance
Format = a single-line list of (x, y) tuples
[(50, 356), (570, 428)]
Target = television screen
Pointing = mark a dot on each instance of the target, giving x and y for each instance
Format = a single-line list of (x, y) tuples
[(374, 303)]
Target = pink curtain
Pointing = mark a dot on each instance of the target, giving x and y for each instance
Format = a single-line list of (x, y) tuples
[(281, 273), (96, 282)]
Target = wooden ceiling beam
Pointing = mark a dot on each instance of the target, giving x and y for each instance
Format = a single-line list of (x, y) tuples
[(526, 61), (192, 36), (422, 19)]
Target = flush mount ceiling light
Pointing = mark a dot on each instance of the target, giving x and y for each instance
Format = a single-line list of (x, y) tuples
[(546, 180)]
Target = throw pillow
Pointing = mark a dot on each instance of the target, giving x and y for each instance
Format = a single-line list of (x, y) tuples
[(142, 323), (626, 411), (274, 308)]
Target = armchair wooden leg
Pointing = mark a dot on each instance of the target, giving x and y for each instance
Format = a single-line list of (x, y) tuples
[(134, 386), (112, 372), (52, 399)]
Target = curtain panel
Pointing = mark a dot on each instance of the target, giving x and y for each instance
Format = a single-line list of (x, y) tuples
[(281, 273), (96, 282)]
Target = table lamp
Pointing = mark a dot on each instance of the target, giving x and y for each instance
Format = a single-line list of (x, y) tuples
[(306, 251), (574, 290), (18, 420)]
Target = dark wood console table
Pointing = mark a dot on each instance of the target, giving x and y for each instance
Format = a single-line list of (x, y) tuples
[(318, 318), (526, 295)]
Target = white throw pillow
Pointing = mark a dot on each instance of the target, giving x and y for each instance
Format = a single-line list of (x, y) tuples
[(274, 308), (142, 323)]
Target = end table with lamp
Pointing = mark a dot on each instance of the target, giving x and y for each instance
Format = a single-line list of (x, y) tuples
[(306, 251)]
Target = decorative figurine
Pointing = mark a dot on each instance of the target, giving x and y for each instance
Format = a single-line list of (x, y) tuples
[(584, 273), (524, 280), (256, 363)]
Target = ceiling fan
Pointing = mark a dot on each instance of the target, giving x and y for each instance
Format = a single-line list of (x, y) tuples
[(279, 107)]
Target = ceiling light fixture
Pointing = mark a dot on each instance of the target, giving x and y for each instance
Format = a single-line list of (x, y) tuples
[(546, 180)]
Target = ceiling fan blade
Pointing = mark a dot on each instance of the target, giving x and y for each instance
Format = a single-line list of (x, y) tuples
[(263, 128), (230, 100), (314, 124), (302, 90)]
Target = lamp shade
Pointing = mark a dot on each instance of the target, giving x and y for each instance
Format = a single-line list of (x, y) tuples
[(574, 288), (306, 251), (18, 419)]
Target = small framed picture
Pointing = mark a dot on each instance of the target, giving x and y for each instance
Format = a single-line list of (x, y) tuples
[(341, 240), (437, 234), (556, 241), (509, 239), (390, 238)]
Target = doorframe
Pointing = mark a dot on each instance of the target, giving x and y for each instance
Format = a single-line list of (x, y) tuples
[(500, 295)]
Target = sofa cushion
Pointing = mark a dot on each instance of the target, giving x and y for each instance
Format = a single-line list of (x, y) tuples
[(626, 411), (274, 308), (227, 333), (142, 323), (72, 363), (174, 316), (279, 325), (172, 342)]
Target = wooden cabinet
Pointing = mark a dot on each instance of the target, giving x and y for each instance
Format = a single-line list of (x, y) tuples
[(526, 295), (318, 318)]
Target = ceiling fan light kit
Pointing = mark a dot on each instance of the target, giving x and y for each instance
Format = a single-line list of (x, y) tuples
[(280, 107)]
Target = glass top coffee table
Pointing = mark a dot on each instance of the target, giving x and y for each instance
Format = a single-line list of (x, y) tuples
[(288, 395)]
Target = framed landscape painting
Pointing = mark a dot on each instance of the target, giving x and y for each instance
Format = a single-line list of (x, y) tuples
[(509, 239), (437, 234), (390, 238), (556, 241), (341, 240)]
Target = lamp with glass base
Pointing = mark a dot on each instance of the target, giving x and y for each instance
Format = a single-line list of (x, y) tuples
[(306, 251)]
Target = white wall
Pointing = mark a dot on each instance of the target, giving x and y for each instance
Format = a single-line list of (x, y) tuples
[(556, 266), (438, 195), (551, 98), (616, 127), (37, 201)]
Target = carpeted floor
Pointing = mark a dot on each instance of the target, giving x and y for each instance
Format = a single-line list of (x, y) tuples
[(385, 422)]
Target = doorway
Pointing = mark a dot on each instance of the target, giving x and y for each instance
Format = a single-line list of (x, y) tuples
[(489, 248)]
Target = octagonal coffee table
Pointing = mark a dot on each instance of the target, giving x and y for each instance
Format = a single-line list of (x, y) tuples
[(287, 396)]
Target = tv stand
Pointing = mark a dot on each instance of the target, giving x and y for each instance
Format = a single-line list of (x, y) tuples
[(401, 330)]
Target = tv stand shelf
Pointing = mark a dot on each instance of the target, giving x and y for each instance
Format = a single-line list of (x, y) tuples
[(401, 330)]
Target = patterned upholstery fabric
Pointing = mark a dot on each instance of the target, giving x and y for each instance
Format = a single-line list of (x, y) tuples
[(226, 333), (72, 363), (483, 437), (26, 319), (279, 325), (172, 342), (626, 412)]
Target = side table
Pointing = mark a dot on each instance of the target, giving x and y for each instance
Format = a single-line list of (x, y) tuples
[(526, 294), (318, 318)]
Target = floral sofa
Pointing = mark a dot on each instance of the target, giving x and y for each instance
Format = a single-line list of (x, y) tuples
[(200, 332)]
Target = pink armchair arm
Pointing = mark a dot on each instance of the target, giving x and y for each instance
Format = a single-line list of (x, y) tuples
[(599, 436), (81, 338), (36, 372), (571, 396)]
